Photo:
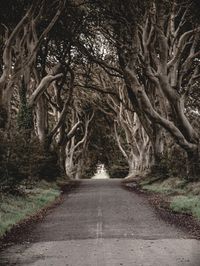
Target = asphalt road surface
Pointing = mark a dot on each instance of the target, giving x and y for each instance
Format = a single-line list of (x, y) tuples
[(102, 224)]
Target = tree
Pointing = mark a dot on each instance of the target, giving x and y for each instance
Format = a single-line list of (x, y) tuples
[(157, 46)]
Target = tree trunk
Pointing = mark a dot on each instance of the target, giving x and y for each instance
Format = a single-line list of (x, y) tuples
[(78, 174), (131, 165), (157, 144), (69, 167), (62, 158), (41, 116)]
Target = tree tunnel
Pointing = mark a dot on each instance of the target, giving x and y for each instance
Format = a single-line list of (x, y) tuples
[(83, 83), (102, 149)]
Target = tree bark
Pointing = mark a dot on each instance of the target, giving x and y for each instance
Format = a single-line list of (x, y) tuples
[(41, 120)]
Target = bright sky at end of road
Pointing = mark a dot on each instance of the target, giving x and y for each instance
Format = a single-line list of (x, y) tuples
[(101, 173)]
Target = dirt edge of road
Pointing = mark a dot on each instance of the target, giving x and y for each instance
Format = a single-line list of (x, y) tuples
[(161, 204), (18, 232)]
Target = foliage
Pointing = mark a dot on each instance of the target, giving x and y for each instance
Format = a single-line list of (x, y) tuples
[(22, 158), (3, 117), (103, 149), (25, 116), (176, 162), (77, 40), (47, 166), (119, 167), (173, 163)]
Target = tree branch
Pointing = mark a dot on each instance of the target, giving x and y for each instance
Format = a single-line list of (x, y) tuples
[(44, 84)]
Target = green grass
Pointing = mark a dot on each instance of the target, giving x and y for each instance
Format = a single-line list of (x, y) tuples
[(184, 197), (14, 209), (157, 188), (187, 204), (163, 189)]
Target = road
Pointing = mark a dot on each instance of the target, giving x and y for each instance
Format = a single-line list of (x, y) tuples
[(102, 224)]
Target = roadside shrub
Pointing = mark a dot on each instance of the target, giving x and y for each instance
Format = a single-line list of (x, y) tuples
[(22, 159), (120, 170), (161, 170), (177, 162), (172, 164), (47, 167)]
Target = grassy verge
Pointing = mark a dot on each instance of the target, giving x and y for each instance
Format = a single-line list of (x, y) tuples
[(186, 204), (182, 197), (16, 208)]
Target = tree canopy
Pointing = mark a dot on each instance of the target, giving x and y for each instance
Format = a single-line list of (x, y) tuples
[(114, 82)]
